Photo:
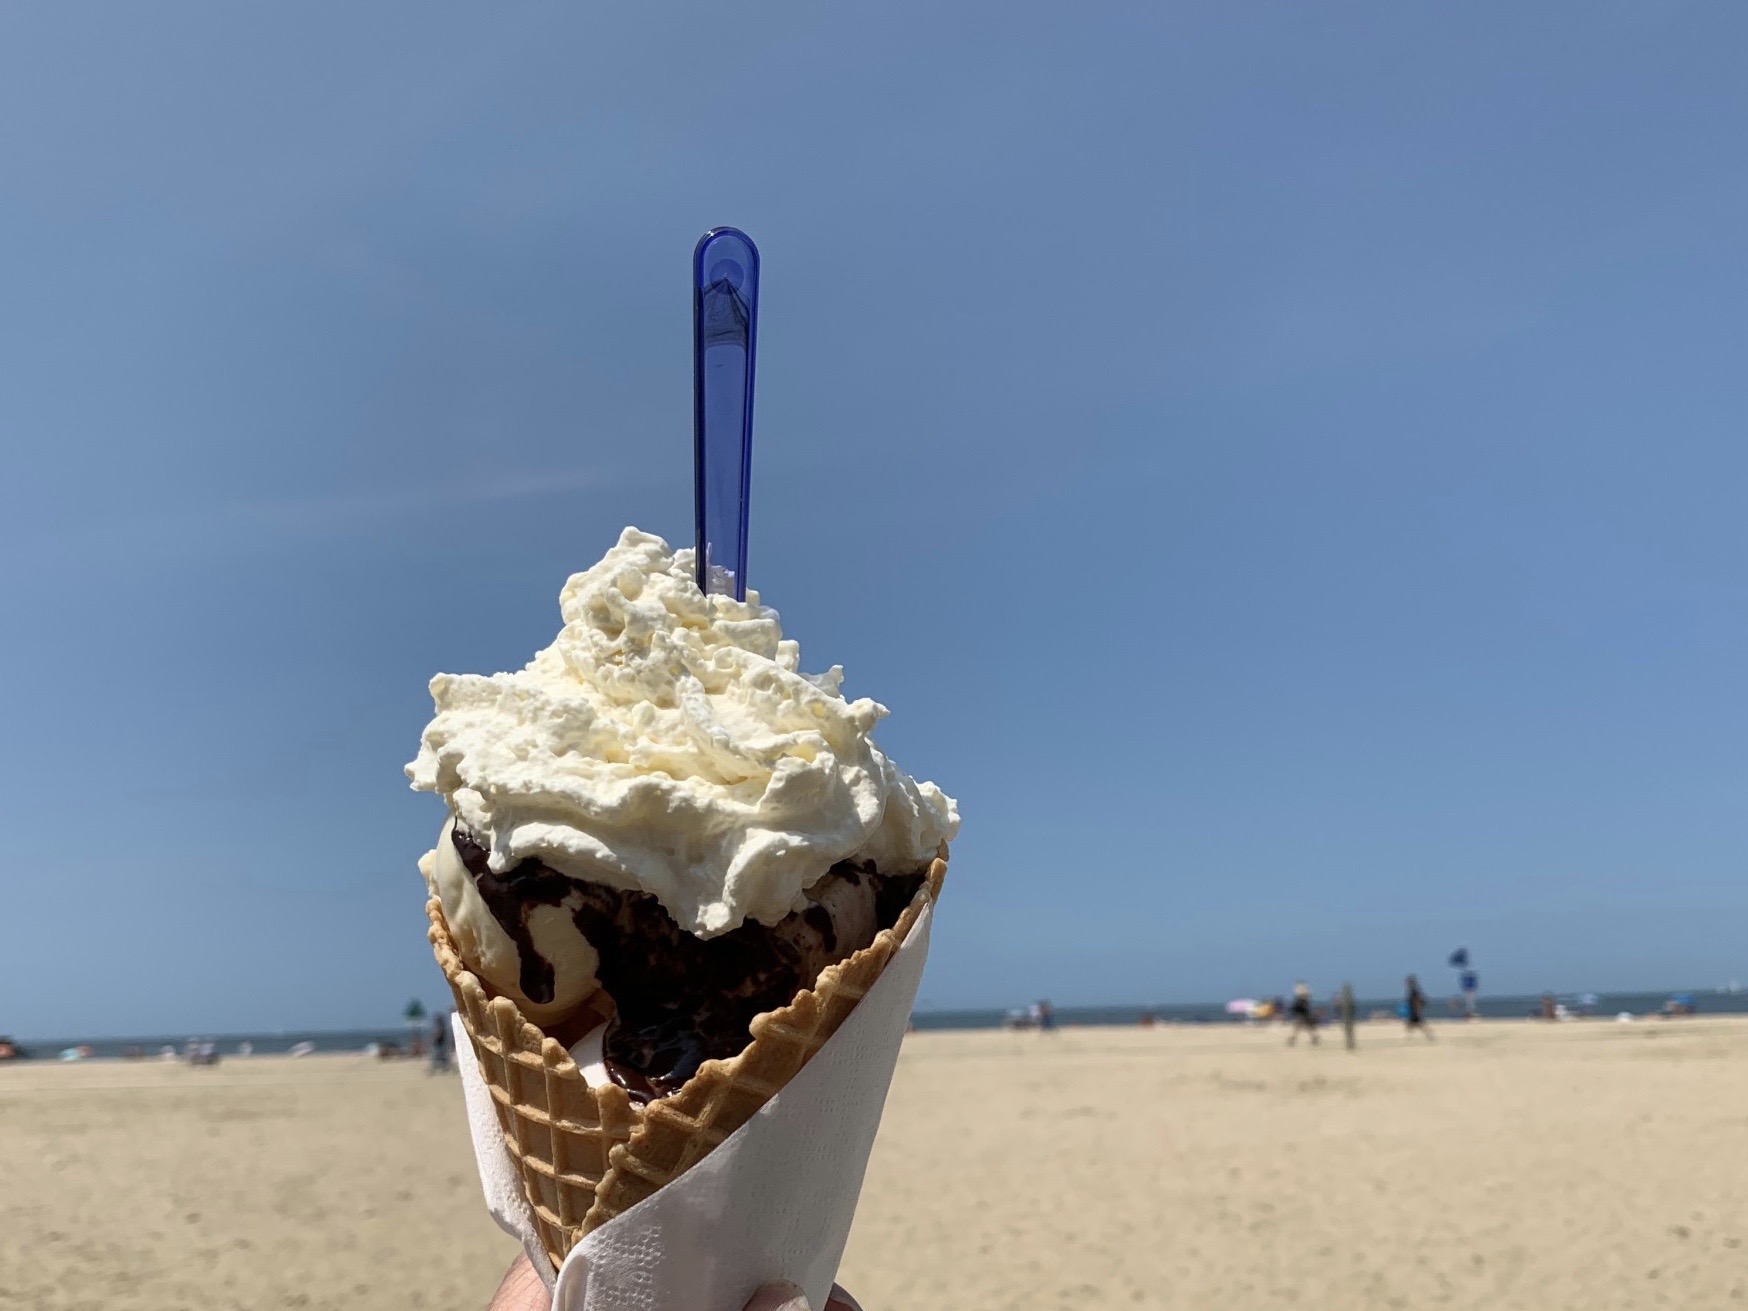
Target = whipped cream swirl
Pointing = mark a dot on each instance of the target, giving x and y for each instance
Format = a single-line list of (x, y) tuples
[(667, 741)]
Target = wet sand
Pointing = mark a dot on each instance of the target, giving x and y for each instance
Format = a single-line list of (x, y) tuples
[(1509, 1165)]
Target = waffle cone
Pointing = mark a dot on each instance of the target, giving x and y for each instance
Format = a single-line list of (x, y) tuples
[(587, 1154), (558, 1129)]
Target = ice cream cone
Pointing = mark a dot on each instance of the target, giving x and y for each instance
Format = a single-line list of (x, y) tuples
[(587, 1154), (558, 1129)]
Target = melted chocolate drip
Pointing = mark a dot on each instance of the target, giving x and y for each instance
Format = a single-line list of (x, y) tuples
[(819, 919), (510, 897), (681, 1000)]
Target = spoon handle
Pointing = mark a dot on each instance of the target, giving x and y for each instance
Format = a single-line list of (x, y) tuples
[(725, 317)]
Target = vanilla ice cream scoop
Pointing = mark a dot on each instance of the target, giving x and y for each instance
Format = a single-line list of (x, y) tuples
[(535, 956), (679, 999)]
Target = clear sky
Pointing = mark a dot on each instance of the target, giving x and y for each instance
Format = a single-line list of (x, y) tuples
[(1282, 464)]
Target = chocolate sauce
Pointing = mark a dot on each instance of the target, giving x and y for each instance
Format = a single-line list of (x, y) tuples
[(680, 1000), (510, 897), (819, 919)]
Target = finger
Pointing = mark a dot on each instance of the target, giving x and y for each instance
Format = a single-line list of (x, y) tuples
[(521, 1289), (778, 1297), (841, 1301)]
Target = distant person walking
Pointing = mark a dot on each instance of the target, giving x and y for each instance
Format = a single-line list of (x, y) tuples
[(1046, 1016), (1301, 1016), (1470, 982), (1416, 1003), (439, 1046)]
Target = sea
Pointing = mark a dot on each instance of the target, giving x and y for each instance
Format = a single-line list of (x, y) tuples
[(1606, 1004), (1504, 1007)]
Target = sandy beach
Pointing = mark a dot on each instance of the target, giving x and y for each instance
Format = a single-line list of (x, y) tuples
[(1509, 1165)]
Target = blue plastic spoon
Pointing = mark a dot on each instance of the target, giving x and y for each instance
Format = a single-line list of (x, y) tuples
[(725, 318)]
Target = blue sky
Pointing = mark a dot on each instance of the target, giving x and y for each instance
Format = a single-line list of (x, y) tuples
[(1282, 464)]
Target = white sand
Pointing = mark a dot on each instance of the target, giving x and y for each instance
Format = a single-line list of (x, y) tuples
[(1511, 1165)]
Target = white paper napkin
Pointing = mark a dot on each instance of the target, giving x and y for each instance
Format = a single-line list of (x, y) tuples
[(773, 1202)]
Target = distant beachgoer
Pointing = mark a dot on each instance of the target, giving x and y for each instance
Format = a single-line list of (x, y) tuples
[(1470, 982), (1416, 1005), (1300, 1015), (439, 1046), (1046, 1016)]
